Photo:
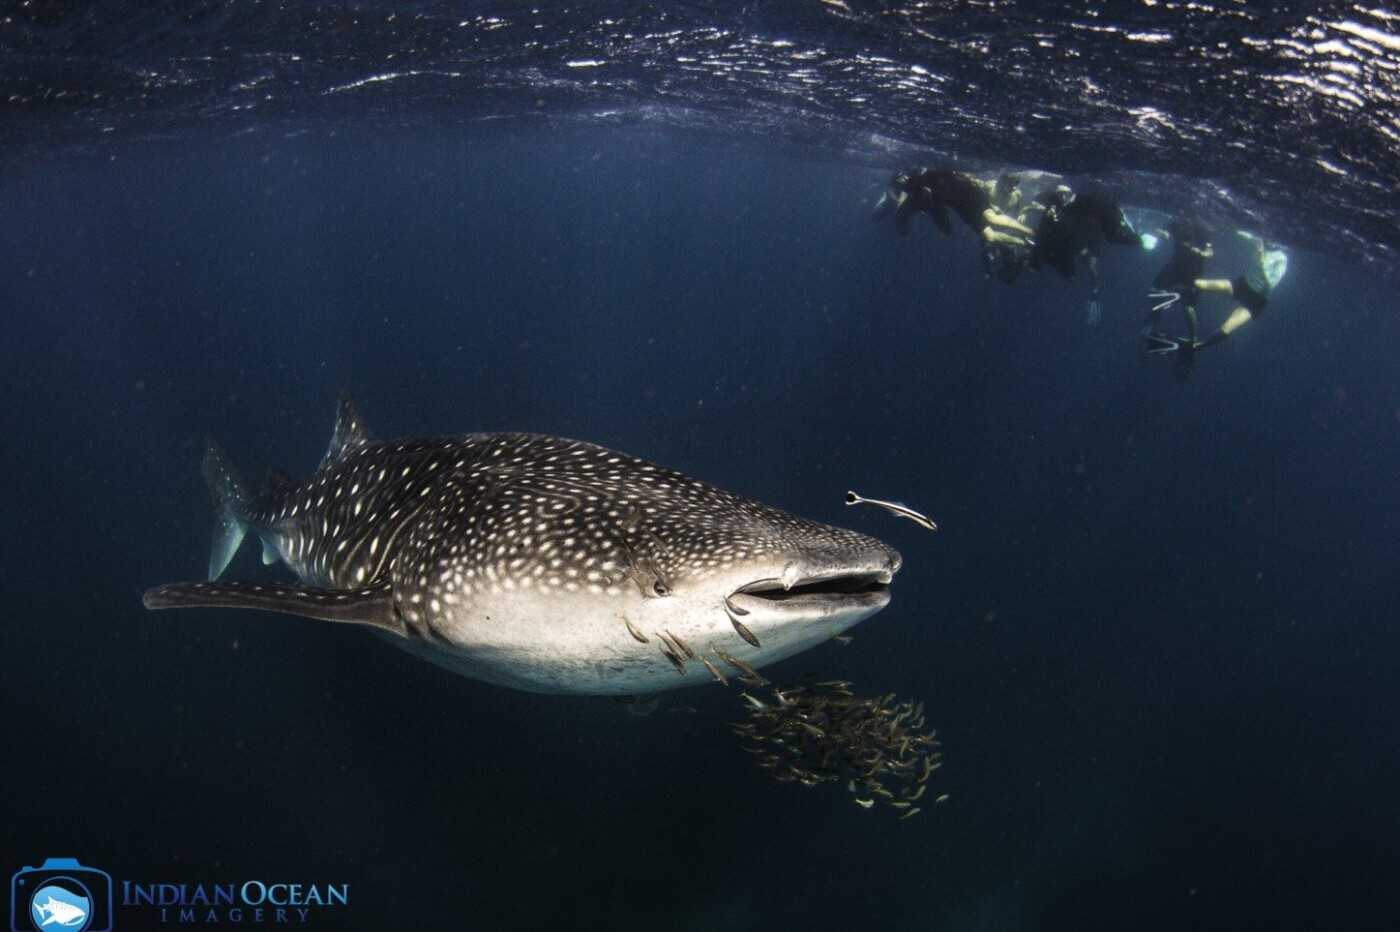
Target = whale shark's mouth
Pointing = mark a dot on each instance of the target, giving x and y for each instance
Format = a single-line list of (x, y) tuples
[(855, 587)]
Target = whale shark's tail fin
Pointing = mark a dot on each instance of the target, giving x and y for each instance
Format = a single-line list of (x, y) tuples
[(232, 499)]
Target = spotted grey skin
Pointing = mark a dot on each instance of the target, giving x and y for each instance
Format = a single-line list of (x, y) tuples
[(540, 563)]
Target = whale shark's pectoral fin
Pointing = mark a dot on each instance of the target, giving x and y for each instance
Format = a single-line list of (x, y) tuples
[(373, 606)]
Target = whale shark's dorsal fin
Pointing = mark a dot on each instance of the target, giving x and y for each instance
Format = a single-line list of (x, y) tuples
[(350, 431)]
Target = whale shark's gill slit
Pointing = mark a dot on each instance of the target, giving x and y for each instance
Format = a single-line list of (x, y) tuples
[(643, 571)]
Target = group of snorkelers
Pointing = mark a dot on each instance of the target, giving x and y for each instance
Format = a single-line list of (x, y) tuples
[(1062, 229)]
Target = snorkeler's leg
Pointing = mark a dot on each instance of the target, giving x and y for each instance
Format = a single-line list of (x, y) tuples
[(1091, 263), (1215, 285), (996, 218), (1237, 319), (991, 236)]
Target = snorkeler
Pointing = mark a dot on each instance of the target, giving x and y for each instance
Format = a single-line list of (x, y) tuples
[(1002, 260), (937, 191), (1074, 227), (1176, 282), (1250, 290)]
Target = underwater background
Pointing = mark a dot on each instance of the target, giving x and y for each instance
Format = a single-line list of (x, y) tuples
[(1155, 631)]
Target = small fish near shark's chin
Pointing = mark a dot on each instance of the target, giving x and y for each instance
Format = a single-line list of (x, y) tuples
[(539, 563), (782, 620)]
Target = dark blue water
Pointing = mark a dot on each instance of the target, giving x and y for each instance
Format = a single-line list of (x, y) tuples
[(1155, 630)]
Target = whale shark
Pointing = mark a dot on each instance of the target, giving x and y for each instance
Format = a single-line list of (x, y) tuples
[(536, 562), (57, 911)]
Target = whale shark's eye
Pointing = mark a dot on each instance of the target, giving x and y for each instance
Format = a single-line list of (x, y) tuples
[(660, 588)]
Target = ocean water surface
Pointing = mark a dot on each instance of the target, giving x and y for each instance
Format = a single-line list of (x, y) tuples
[(1155, 630)]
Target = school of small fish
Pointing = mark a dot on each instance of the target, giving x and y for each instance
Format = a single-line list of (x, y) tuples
[(821, 732)]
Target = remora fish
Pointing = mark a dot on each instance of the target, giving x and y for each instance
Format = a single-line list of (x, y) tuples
[(903, 511), (530, 561)]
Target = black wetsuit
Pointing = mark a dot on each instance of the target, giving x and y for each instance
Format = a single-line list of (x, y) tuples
[(935, 192), (1105, 212), (1061, 237), (1250, 299), (964, 197), (1188, 262), (1079, 225), (917, 187)]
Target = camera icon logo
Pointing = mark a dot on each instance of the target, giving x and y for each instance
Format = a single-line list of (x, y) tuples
[(61, 894)]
